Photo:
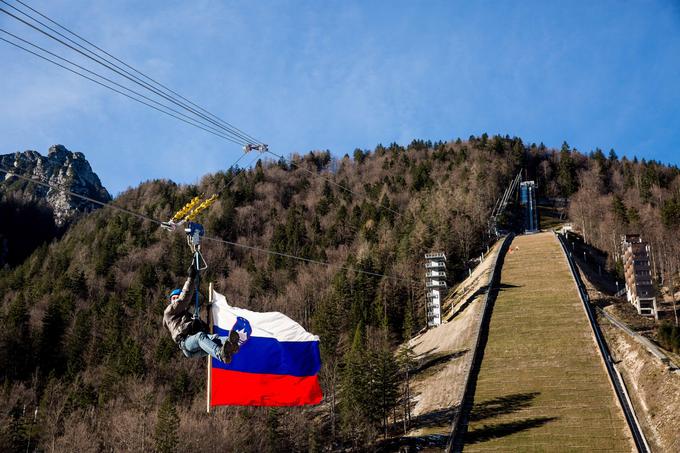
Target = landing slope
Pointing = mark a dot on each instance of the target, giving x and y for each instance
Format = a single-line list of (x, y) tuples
[(542, 385)]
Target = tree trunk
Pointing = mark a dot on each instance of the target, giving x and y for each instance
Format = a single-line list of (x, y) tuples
[(333, 406), (671, 285)]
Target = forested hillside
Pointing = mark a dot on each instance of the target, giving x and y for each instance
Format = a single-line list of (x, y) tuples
[(86, 364), (614, 196)]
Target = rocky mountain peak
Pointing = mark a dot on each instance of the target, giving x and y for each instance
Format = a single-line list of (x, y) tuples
[(60, 167)]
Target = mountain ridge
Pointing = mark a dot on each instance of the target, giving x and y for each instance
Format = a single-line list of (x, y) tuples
[(61, 167)]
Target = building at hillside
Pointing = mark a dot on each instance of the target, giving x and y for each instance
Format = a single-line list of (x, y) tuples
[(638, 273), (435, 286), (527, 199)]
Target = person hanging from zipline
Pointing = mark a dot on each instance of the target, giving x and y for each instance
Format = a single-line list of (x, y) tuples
[(192, 334)]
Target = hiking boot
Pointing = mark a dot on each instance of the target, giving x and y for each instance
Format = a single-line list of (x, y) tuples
[(224, 356), (230, 347)]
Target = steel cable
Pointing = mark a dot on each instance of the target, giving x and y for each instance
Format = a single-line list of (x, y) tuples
[(179, 115), (116, 69), (209, 238), (136, 70)]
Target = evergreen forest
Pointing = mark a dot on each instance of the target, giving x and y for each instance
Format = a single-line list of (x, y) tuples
[(86, 365)]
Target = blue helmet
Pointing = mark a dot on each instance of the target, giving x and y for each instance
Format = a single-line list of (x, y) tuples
[(175, 292)]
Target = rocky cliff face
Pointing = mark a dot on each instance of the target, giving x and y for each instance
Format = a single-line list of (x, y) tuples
[(61, 167)]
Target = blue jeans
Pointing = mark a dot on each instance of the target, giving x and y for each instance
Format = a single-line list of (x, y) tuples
[(202, 344)]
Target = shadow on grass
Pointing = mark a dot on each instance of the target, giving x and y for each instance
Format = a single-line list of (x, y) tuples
[(426, 353), (460, 308), (502, 405), (441, 417), (503, 286), (410, 444), (488, 432), (435, 419), (438, 359)]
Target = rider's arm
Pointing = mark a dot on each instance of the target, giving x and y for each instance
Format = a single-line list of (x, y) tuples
[(183, 301)]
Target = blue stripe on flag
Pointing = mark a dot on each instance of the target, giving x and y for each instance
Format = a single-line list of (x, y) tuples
[(270, 356)]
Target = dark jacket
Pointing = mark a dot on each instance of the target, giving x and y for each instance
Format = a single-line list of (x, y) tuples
[(177, 317)]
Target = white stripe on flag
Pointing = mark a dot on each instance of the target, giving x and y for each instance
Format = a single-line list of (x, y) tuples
[(270, 324)]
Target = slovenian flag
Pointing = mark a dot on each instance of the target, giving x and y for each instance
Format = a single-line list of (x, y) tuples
[(277, 366)]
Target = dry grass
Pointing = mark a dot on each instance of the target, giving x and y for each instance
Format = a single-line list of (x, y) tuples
[(542, 385), (444, 354), (654, 390)]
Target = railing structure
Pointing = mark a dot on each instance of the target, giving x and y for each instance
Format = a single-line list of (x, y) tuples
[(435, 274), (460, 417), (502, 203), (435, 284), (645, 342)]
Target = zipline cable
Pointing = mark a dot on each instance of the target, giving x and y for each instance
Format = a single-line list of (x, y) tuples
[(123, 73), (187, 119), (136, 70), (77, 195), (97, 58), (145, 85), (307, 260), (234, 244)]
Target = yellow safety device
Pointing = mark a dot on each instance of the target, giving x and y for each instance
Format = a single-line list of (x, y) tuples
[(206, 204), (185, 209)]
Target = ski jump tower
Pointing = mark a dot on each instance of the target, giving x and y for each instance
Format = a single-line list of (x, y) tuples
[(527, 198), (435, 286)]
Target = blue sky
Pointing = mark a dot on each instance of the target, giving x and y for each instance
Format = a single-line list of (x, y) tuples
[(340, 75)]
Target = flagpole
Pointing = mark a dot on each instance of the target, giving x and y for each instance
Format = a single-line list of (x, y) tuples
[(209, 367)]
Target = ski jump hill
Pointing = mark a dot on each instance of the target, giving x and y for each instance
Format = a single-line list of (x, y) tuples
[(541, 384), (527, 372)]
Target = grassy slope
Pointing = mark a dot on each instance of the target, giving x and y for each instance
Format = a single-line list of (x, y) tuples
[(542, 384)]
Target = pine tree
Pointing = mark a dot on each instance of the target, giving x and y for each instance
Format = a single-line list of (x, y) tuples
[(670, 213), (383, 385), (77, 284), (566, 172), (50, 346), (130, 360), (77, 343), (146, 276), (364, 294), (134, 297), (112, 326), (166, 428), (110, 281), (16, 344), (620, 210), (612, 155), (259, 173), (354, 387)]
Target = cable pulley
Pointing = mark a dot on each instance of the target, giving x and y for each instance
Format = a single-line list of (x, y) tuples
[(262, 148)]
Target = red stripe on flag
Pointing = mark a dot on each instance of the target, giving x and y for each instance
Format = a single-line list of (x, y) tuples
[(236, 388)]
